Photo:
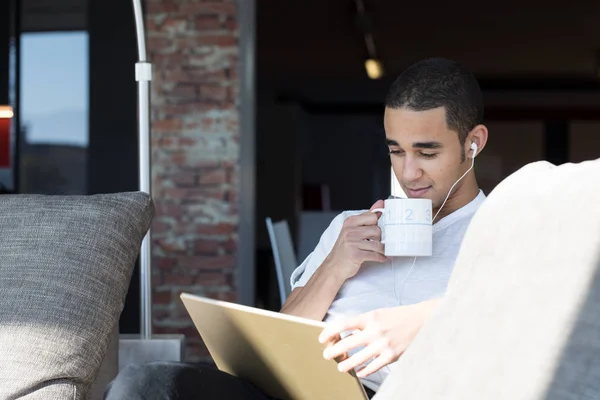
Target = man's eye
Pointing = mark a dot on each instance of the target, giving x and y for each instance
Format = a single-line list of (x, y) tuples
[(396, 152), (428, 155)]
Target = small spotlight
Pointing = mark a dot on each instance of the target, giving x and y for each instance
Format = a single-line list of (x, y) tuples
[(374, 68), (6, 112)]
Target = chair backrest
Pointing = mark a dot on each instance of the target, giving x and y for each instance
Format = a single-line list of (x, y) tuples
[(283, 254), (312, 224)]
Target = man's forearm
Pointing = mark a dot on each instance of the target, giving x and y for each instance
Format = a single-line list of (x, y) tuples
[(314, 299)]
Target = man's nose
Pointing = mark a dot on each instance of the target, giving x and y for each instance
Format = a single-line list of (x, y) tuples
[(411, 170)]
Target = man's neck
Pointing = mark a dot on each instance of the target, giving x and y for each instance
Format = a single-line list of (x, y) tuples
[(459, 198)]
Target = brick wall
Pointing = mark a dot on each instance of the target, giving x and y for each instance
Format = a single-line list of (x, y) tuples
[(193, 46)]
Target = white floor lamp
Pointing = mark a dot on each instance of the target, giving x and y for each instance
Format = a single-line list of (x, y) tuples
[(146, 347), (143, 76)]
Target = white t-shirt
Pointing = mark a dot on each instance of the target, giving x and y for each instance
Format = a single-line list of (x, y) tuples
[(389, 284)]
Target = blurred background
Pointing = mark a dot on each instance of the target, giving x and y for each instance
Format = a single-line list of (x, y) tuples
[(270, 109)]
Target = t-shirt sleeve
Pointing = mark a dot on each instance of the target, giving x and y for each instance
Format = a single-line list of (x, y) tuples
[(302, 274)]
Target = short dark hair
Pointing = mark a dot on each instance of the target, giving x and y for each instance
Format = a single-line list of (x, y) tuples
[(438, 82)]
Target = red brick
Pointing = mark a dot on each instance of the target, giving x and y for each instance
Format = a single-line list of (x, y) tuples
[(207, 22), (230, 24), (184, 142), (178, 278), (225, 296), (232, 93), (167, 125), (164, 142), (203, 163), (212, 177), (174, 193), (195, 75), (231, 246), (223, 40), (171, 245), (206, 262), (161, 330), (208, 279), (167, 209), (181, 92), (160, 227), (167, 263), (160, 7), (232, 197), (207, 246), (162, 297), (156, 277), (193, 47), (160, 44), (208, 192), (159, 315), (174, 24), (186, 109), (208, 7), (231, 175), (193, 194), (214, 93), (218, 229), (165, 61), (150, 25), (182, 178), (217, 262)]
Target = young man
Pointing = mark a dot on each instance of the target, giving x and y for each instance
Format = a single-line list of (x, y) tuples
[(433, 116), (433, 119)]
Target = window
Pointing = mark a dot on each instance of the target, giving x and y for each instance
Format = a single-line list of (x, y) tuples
[(54, 107)]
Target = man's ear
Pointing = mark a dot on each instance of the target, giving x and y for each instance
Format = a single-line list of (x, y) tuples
[(479, 136)]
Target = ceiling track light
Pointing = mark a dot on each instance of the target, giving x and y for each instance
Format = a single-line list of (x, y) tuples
[(373, 65)]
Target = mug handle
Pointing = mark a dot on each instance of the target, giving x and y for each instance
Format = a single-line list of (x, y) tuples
[(381, 210)]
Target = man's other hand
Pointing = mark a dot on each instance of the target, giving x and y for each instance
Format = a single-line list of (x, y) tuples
[(385, 334)]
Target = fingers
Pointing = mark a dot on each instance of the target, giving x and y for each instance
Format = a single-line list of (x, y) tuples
[(384, 359), (364, 219), (345, 345), (365, 232), (334, 339), (371, 351), (371, 246), (336, 328), (377, 204)]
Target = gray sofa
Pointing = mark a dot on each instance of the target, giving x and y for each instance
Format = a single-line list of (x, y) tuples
[(520, 320), (521, 317), (65, 268)]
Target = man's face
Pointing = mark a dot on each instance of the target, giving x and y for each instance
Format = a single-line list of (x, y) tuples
[(426, 155)]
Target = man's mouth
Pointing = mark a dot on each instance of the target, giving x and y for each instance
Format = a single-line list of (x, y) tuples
[(418, 192)]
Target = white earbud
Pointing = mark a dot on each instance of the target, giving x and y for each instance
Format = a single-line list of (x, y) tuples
[(474, 148)]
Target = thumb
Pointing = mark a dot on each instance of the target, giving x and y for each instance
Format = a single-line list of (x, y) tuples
[(377, 204)]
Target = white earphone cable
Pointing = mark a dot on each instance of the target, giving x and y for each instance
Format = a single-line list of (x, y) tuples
[(450, 191), (474, 147)]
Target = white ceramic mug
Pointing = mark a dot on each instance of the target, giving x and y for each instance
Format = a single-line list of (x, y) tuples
[(406, 227)]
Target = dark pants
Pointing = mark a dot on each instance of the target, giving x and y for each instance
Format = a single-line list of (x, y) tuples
[(181, 381)]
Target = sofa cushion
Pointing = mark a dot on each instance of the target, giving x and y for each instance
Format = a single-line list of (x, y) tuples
[(521, 316), (65, 268)]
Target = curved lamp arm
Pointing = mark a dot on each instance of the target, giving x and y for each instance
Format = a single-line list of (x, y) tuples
[(143, 76)]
